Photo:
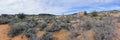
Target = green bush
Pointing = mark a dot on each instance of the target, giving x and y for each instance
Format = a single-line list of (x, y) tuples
[(67, 26), (47, 36), (42, 25), (85, 13), (4, 21), (30, 33), (20, 16), (16, 29), (94, 14)]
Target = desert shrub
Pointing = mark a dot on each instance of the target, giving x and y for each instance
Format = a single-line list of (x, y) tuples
[(94, 14), (13, 21), (73, 35), (47, 36), (109, 18), (66, 26), (21, 15), (85, 13), (34, 38), (42, 25), (65, 19), (31, 34), (31, 23), (48, 20), (88, 24), (4, 21), (104, 30), (118, 20), (54, 27), (18, 27), (4, 15)]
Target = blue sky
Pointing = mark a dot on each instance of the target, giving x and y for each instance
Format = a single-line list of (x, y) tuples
[(56, 6)]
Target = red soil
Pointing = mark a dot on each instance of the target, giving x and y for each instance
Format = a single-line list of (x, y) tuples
[(58, 35), (3, 34)]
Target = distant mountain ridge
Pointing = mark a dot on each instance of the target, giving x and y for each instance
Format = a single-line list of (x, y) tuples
[(111, 11), (80, 13)]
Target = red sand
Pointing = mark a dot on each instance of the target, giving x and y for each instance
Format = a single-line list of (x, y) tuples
[(58, 35), (3, 34)]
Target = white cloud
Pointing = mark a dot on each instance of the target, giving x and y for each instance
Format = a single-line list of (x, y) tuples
[(47, 6)]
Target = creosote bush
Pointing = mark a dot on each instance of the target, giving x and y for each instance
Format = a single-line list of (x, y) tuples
[(47, 36), (66, 26), (104, 31), (18, 27), (88, 24), (4, 21), (42, 25), (73, 36), (31, 34)]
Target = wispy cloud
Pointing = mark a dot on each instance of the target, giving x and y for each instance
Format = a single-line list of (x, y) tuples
[(56, 6)]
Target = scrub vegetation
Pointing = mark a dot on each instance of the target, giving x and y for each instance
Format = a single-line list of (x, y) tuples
[(76, 27)]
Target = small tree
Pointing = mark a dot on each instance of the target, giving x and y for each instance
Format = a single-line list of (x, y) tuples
[(85, 13), (94, 14), (21, 15)]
